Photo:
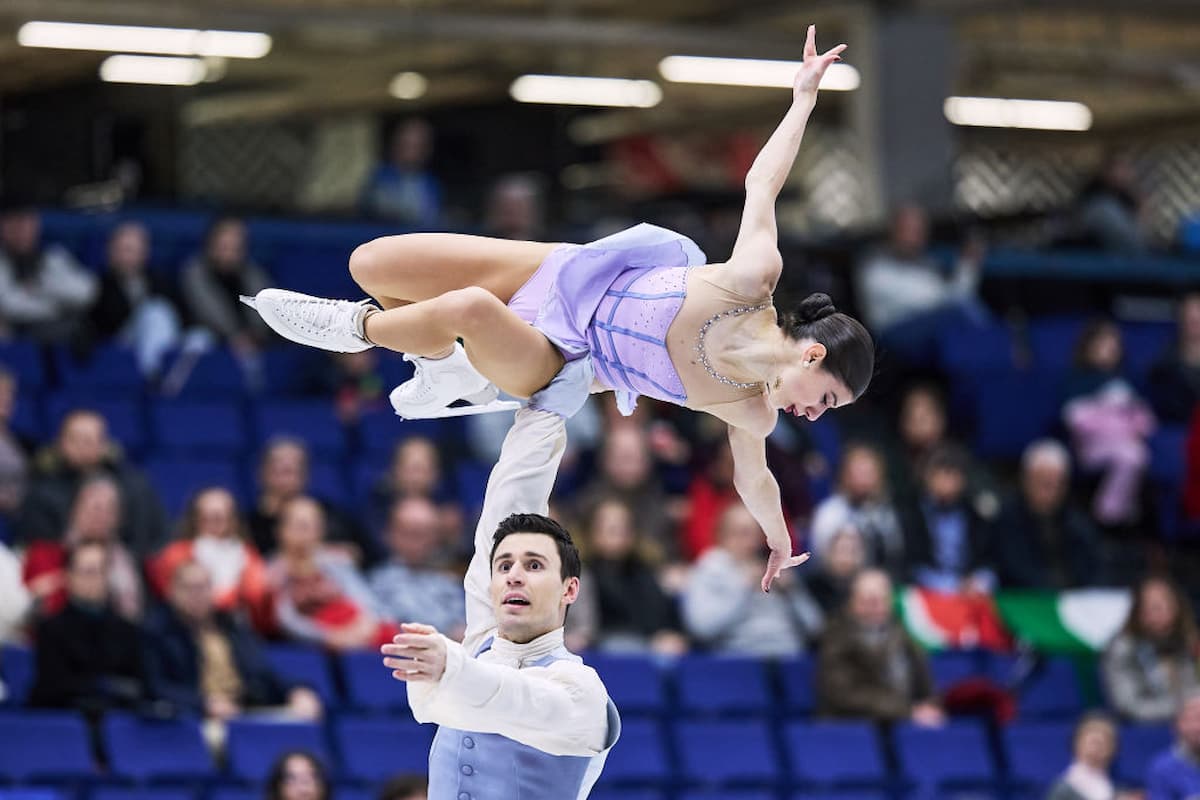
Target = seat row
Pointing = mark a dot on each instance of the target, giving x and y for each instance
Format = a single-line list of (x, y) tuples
[(696, 685), (50, 747)]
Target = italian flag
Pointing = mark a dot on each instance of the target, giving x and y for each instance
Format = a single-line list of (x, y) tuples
[(1076, 621)]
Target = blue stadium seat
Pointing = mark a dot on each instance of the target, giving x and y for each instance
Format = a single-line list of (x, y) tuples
[(140, 793), (16, 669), (835, 753), (850, 794), (470, 478), (24, 360), (142, 749), (254, 746), (178, 479), (639, 756), (197, 427), (953, 666), (375, 749), (634, 682), (35, 793), (726, 752), (369, 685), (125, 417), (44, 745), (327, 481), (110, 369), (211, 375), (1139, 746), (1052, 341), (617, 794), (313, 421), (715, 684), (351, 792), (379, 432), (1038, 752), (1144, 343), (1168, 456), (235, 793), (955, 754), (1011, 409), (304, 666), (726, 794), (798, 676), (292, 371), (966, 349), (320, 269), (1052, 691), (29, 418)]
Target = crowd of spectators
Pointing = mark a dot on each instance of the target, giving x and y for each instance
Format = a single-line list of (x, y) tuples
[(128, 609)]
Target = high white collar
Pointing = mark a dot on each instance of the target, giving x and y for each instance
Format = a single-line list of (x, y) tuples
[(521, 654)]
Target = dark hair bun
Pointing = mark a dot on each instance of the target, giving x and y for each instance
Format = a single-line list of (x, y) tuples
[(815, 307)]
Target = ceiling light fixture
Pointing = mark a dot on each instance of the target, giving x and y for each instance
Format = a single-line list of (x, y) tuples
[(581, 91), (999, 112), (752, 72), (159, 70), (141, 39)]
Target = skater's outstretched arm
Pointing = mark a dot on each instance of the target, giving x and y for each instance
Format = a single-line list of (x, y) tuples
[(756, 262)]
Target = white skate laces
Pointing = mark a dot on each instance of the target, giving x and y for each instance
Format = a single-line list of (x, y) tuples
[(335, 325)]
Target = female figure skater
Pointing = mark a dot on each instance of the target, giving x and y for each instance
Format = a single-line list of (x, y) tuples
[(640, 310)]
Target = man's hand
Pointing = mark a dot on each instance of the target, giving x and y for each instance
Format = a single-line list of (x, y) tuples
[(781, 558), (810, 74), (928, 715), (418, 653), (220, 707)]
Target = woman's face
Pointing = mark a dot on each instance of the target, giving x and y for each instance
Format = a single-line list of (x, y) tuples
[(216, 515), (806, 389), (300, 780), (922, 421), (416, 470), (1096, 744), (1159, 610), (846, 552), (1104, 351), (612, 531)]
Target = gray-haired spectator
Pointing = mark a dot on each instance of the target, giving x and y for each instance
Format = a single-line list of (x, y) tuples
[(410, 586), (403, 188), (1045, 542), (862, 500), (725, 608), (43, 290), (1155, 660), (1093, 747), (869, 666), (516, 208)]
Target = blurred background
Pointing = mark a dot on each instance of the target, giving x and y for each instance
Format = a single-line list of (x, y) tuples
[(206, 531)]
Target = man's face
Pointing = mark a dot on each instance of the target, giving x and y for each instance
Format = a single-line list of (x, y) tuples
[(529, 594), (87, 578), (285, 471), (626, 457), (862, 475), (128, 250), (945, 486), (1045, 485), (96, 513), (739, 533), (20, 232), (413, 531), (871, 599), (191, 593), (301, 527), (83, 441)]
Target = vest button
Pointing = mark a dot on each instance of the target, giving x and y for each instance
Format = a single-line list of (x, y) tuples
[(466, 769), (468, 742)]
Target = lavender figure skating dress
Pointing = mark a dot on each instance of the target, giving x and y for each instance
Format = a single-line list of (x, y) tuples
[(611, 302)]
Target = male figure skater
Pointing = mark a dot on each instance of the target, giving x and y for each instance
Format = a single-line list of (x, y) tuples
[(520, 716)]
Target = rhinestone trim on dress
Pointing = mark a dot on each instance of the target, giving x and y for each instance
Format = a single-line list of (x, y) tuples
[(733, 312)]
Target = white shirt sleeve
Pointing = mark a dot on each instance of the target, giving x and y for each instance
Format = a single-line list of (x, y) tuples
[(520, 483), (559, 709)]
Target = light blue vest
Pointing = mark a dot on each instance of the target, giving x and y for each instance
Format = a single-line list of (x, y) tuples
[(487, 766)]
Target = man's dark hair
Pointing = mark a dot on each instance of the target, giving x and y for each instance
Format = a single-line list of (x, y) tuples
[(274, 787), (536, 523)]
